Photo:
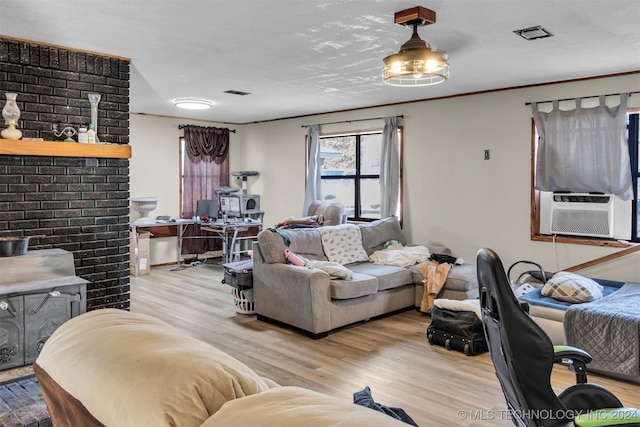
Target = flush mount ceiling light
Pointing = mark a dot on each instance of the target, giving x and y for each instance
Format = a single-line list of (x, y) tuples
[(193, 103), (415, 64)]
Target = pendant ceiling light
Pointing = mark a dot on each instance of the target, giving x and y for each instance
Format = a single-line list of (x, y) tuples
[(415, 64)]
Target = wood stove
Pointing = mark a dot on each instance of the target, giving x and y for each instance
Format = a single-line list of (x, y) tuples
[(39, 291)]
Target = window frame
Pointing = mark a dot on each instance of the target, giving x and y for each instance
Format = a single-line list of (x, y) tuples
[(357, 175), (593, 241)]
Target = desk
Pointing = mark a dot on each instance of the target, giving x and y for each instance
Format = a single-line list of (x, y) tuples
[(233, 235)]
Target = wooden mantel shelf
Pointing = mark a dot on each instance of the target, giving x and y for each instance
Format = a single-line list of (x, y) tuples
[(64, 149)]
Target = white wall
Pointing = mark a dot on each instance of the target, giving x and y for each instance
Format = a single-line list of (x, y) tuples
[(452, 195)]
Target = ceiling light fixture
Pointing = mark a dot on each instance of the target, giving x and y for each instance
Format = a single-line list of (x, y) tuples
[(193, 104), (415, 64)]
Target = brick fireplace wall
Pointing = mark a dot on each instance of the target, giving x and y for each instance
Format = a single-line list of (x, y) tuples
[(79, 204)]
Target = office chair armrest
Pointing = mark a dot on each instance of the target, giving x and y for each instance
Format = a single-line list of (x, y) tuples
[(608, 417), (577, 360), (563, 352)]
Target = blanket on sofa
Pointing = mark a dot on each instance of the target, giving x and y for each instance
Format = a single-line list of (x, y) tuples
[(403, 256), (609, 329)]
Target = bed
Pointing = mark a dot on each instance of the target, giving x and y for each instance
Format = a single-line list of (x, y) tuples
[(608, 328)]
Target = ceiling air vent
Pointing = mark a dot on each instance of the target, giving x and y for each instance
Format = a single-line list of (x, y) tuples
[(533, 33), (237, 92)]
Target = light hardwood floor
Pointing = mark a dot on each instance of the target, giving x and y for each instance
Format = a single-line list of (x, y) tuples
[(390, 355)]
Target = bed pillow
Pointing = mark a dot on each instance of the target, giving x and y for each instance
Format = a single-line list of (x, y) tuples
[(343, 243), (570, 287)]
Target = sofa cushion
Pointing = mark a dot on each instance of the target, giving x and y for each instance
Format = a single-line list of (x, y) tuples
[(461, 278), (376, 233), (304, 241), (388, 276), (291, 406), (343, 244), (86, 354), (359, 285)]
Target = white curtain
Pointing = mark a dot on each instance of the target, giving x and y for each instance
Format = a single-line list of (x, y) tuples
[(584, 150), (389, 168), (312, 189)]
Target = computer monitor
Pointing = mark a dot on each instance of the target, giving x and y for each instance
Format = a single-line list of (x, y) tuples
[(207, 207)]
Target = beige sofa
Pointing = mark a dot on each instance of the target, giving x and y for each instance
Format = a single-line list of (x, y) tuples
[(110, 367), (308, 299)]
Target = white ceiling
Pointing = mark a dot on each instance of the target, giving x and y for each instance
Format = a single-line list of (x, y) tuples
[(300, 57)]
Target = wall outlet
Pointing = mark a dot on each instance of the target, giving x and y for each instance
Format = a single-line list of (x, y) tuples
[(487, 155)]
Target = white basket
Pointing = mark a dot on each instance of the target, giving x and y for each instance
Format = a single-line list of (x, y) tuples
[(243, 300)]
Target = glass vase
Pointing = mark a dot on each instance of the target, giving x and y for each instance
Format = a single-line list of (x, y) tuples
[(94, 99), (11, 114)]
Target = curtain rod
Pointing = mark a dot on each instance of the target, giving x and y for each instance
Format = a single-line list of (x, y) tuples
[(351, 121), (182, 127), (582, 97)]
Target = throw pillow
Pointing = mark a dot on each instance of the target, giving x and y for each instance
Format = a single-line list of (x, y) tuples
[(293, 258), (343, 244), (333, 269), (571, 287), (376, 233)]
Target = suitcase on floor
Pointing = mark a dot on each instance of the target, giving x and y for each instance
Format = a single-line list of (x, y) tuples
[(239, 274), (457, 330)]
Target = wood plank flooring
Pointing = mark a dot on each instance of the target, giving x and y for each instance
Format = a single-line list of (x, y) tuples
[(391, 355)]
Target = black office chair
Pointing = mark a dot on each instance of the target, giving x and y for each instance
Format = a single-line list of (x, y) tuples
[(523, 357)]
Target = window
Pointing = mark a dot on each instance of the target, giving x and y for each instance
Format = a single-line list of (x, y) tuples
[(199, 179), (633, 134), (350, 172)]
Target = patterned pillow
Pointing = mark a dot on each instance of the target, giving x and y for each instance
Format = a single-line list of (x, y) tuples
[(333, 269), (343, 243), (572, 287)]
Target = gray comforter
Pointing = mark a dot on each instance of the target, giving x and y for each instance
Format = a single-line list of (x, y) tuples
[(609, 329)]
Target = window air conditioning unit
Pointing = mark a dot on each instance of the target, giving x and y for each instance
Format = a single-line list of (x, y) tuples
[(585, 214)]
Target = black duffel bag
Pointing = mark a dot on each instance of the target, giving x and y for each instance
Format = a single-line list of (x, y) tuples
[(457, 330)]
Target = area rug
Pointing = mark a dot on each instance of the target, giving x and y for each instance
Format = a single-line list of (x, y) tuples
[(22, 404)]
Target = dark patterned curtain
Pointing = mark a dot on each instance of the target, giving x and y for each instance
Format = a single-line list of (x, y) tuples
[(206, 167), (206, 142)]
